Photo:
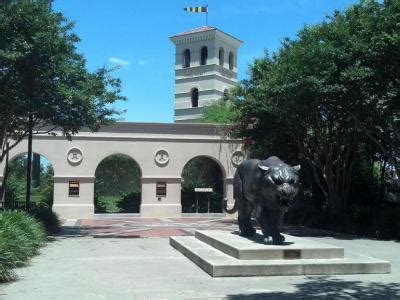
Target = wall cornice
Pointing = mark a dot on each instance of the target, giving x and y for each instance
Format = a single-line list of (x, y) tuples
[(168, 179), (231, 81), (65, 178), (210, 69), (141, 139), (165, 132)]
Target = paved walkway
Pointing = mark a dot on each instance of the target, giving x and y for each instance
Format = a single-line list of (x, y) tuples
[(75, 265), (136, 227)]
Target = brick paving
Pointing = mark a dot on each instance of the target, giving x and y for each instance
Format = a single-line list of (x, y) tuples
[(137, 227)]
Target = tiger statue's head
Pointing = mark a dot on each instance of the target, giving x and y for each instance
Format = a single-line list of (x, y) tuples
[(280, 181)]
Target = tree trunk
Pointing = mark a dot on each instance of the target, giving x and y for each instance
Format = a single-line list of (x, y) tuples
[(36, 169), (29, 164), (3, 184)]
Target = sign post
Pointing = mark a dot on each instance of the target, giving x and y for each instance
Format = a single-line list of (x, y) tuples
[(202, 190)]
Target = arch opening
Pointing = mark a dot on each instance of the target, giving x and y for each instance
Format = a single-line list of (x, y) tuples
[(202, 188), (117, 187), (231, 61), (221, 56), (42, 182), (186, 58), (195, 97), (203, 56)]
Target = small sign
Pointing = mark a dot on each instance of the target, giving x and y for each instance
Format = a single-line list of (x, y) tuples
[(291, 254), (73, 188), (161, 189), (203, 190)]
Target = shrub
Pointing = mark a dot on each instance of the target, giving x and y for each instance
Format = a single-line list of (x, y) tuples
[(46, 191), (305, 212), (380, 220), (21, 236), (107, 204), (15, 189), (388, 223), (129, 203), (188, 201), (48, 218), (99, 206)]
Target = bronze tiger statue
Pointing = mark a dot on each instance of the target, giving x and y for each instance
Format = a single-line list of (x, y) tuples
[(267, 187)]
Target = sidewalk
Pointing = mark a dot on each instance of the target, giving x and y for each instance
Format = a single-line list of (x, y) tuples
[(96, 260), (136, 227)]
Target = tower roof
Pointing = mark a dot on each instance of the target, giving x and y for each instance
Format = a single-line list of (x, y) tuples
[(200, 29), (203, 29)]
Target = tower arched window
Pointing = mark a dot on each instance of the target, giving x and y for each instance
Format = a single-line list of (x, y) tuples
[(231, 60), (226, 95), (186, 58), (221, 56), (195, 97), (203, 56)]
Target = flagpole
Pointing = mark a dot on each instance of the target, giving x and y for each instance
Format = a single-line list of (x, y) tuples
[(207, 15)]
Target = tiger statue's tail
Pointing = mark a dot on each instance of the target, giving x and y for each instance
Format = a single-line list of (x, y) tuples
[(232, 210), (237, 192)]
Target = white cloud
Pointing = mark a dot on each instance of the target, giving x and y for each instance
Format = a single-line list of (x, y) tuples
[(142, 62), (118, 61)]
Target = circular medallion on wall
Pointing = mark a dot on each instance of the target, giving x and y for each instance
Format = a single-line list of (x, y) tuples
[(74, 156), (162, 157), (237, 158)]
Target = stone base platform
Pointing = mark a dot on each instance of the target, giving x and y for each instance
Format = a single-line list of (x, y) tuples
[(224, 254)]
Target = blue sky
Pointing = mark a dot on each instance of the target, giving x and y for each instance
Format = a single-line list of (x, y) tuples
[(134, 35)]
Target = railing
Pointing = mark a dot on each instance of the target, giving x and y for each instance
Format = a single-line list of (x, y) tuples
[(18, 205)]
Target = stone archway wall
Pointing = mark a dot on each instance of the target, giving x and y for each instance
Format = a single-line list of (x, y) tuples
[(160, 150), (222, 173)]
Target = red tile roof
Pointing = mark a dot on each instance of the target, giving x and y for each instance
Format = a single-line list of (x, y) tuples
[(200, 29)]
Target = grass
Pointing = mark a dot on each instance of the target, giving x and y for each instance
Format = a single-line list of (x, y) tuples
[(21, 236), (125, 203), (109, 203)]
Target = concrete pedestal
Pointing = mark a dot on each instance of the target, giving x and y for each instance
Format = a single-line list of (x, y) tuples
[(223, 254)]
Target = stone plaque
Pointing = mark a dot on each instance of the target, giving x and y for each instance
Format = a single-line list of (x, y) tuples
[(161, 189), (291, 254), (73, 188), (74, 156), (162, 157), (237, 158)]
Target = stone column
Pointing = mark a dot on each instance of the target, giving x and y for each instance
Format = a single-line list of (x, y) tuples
[(74, 206), (167, 206)]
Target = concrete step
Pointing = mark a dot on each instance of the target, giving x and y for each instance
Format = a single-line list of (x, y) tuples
[(254, 248), (219, 264)]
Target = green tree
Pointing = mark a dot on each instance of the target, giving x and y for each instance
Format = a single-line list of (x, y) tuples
[(44, 79), (117, 185), (15, 189), (321, 95), (221, 111), (374, 36), (202, 172), (117, 174)]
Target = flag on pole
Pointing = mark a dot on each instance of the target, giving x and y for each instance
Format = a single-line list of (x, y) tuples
[(196, 9)]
